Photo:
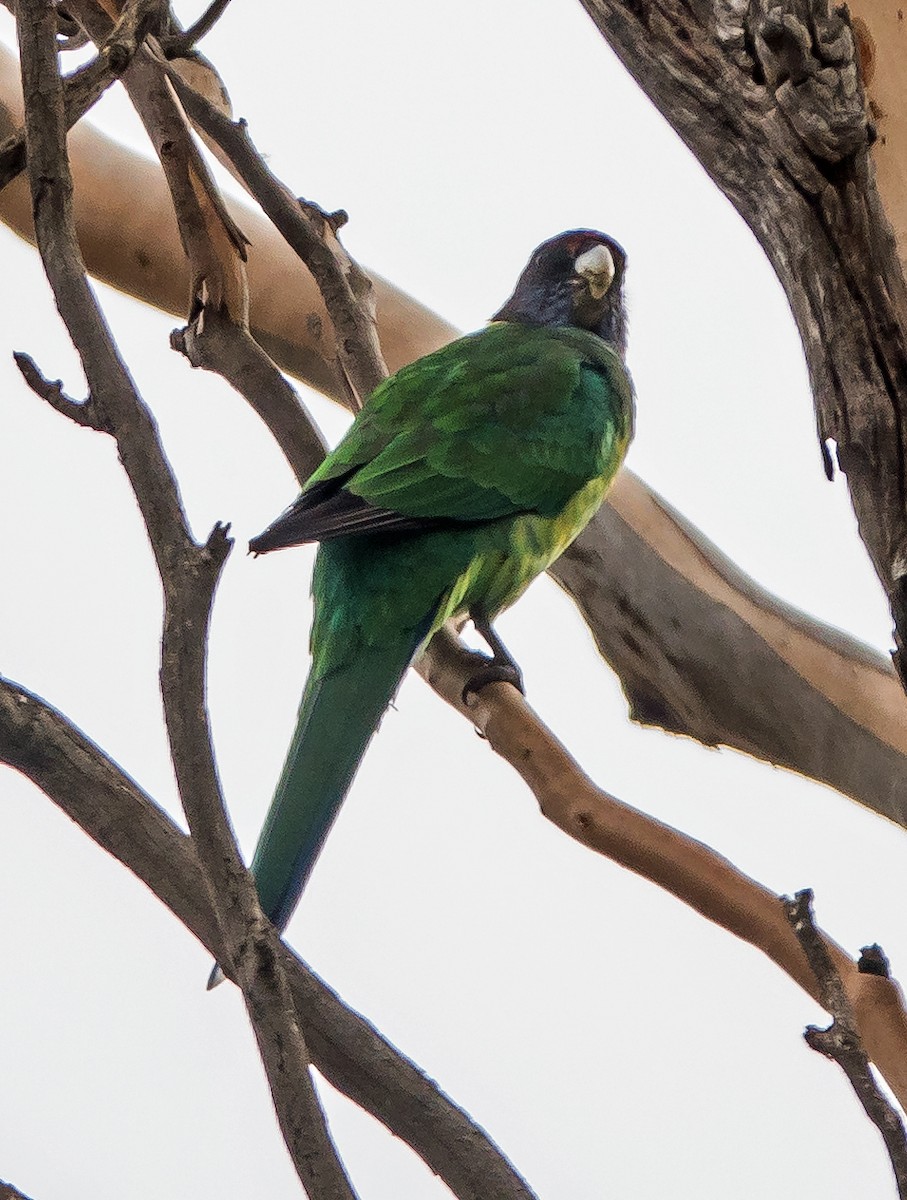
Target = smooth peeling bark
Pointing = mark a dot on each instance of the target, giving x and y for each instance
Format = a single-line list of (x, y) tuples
[(681, 865), (702, 650)]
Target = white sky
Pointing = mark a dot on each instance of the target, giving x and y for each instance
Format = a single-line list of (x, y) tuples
[(613, 1043)]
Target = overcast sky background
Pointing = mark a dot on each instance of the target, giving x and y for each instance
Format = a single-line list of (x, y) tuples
[(611, 1041)]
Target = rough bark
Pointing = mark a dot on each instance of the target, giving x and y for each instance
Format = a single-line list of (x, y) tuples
[(841, 1041), (769, 99)]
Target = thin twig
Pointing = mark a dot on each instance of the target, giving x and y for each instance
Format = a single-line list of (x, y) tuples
[(85, 86), (215, 343), (841, 1042), (312, 233), (83, 412), (176, 45), (189, 574), (123, 820)]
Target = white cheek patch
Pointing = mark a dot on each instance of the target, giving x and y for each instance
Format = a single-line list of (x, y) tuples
[(596, 266)]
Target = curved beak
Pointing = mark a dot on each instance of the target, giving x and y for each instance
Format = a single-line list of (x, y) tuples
[(596, 267)]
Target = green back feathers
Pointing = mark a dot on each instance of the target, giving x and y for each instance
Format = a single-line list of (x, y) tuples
[(508, 420)]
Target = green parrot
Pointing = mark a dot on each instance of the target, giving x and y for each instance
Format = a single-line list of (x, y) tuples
[(462, 478)]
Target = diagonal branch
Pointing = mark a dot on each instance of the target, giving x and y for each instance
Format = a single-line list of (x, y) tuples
[(213, 342), (686, 868), (112, 809), (178, 44), (345, 288), (841, 1042)]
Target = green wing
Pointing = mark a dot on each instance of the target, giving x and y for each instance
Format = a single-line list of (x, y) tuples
[(509, 420)]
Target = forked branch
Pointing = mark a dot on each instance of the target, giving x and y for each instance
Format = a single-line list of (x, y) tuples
[(124, 821), (841, 1041), (189, 573)]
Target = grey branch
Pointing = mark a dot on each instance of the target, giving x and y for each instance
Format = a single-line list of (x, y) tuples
[(82, 412), (189, 574), (178, 44), (215, 343), (345, 288), (85, 86), (122, 819), (841, 1041)]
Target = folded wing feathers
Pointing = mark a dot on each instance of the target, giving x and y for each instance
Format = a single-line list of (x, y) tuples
[(317, 517)]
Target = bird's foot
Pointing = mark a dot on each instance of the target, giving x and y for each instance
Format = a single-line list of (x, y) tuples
[(499, 669), (494, 672)]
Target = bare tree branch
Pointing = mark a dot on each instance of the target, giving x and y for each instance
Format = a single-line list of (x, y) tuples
[(178, 44), (189, 574), (82, 89), (85, 86), (686, 868), (86, 785), (129, 236), (112, 809), (841, 1042), (345, 288), (88, 84), (701, 649), (215, 343), (82, 412)]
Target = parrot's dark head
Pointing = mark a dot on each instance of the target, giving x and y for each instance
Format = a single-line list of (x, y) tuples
[(577, 279)]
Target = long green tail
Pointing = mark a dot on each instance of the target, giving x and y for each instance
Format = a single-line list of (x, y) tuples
[(338, 715)]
